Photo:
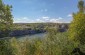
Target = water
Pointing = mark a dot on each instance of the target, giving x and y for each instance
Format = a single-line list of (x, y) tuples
[(40, 35)]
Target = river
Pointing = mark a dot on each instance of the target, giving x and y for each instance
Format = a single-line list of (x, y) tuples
[(40, 35)]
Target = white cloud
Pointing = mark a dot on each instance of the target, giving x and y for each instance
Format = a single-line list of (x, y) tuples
[(45, 17), (23, 20), (60, 18), (44, 10), (39, 20), (56, 20), (53, 20), (69, 15)]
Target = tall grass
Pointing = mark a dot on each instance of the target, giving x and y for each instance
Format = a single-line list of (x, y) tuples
[(57, 44)]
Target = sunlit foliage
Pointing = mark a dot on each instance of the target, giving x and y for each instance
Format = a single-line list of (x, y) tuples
[(6, 21), (77, 27)]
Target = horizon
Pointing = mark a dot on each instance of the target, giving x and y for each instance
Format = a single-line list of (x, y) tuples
[(42, 11)]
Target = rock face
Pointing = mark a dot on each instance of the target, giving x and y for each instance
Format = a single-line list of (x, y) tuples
[(25, 32)]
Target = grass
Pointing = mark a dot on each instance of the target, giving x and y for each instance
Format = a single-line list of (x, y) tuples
[(57, 44)]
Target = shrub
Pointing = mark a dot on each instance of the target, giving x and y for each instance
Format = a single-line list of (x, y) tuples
[(77, 27)]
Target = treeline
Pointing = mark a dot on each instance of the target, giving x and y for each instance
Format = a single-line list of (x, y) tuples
[(39, 25), (20, 29)]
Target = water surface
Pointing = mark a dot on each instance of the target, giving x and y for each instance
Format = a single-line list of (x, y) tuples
[(40, 35)]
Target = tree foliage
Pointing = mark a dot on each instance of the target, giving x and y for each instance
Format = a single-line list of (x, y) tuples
[(6, 21), (77, 27)]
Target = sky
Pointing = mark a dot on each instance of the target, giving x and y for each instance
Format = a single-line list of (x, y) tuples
[(32, 11)]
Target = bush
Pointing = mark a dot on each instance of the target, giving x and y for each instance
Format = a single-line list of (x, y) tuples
[(58, 45), (77, 27), (5, 48)]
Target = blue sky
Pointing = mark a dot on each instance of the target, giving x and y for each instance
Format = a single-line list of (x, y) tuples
[(31, 11)]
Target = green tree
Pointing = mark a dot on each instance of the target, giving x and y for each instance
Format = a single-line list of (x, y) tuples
[(77, 27), (81, 6), (6, 20)]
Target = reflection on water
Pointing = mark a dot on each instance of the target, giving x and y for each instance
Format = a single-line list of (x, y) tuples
[(40, 35)]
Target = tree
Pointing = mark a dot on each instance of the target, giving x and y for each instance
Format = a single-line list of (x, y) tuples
[(77, 27), (6, 20), (81, 6)]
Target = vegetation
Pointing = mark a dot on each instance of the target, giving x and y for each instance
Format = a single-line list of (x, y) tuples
[(5, 19), (54, 43), (57, 45), (77, 27), (34, 26)]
